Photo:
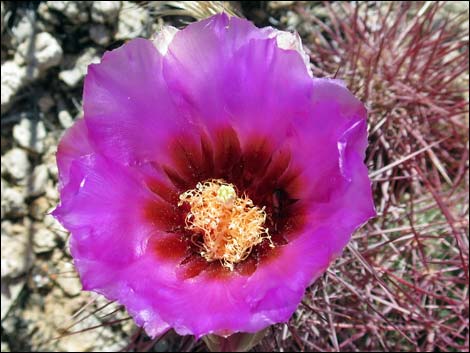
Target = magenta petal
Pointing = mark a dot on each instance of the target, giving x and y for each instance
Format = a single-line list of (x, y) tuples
[(74, 144), (108, 227), (128, 107), (332, 147), (210, 42), (248, 77), (203, 305), (257, 84)]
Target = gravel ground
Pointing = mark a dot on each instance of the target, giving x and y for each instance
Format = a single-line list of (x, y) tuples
[(45, 49)]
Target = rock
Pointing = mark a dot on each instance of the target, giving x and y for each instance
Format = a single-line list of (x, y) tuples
[(45, 313), (54, 225), (45, 53), (30, 134), (65, 119), (38, 181), (13, 204), (23, 30), (39, 208), (101, 339), (51, 164), (12, 201), (76, 343), (105, 11), (52, 192), (43, 240), (50, 142), (71, 77), (75, 11), (12, 79), (15, 163), (132, 21), (100, 34), (74, 75), (2, 15), (48, 17), (5, 346), (10, 292), (15, 254), (56, 257), (277, 5), (68, 279), (10, 322)]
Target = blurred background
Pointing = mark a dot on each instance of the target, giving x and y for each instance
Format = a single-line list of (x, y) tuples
[(401, 284)]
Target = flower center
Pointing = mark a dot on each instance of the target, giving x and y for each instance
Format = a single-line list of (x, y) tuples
[(230, 225)]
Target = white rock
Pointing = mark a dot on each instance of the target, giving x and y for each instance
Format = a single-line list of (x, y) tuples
[(9, 295), (2, 14), (50, 162), (52, 192), (46, 52), (48, 17), (276, 5), (75, 11), (70, 284), (16, 163), (38, 181), (132, 21), (13, 204), (12, 201), (43, 240), (105, 11), (100, 34), (12, 79), (50, 142), (55, 226), (4, 345), (75, 343), (65, 119), (30, 134), (73, 76), (23, 29), (15, 256)]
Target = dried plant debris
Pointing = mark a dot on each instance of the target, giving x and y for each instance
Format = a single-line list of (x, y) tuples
[(195, 9)]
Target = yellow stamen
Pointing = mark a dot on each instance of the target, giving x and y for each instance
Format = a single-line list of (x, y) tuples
[(230, 225)]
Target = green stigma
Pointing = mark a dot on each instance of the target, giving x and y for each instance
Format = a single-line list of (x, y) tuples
[(226, 193)]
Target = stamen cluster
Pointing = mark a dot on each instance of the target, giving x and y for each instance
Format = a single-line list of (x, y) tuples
[(230, 225)]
